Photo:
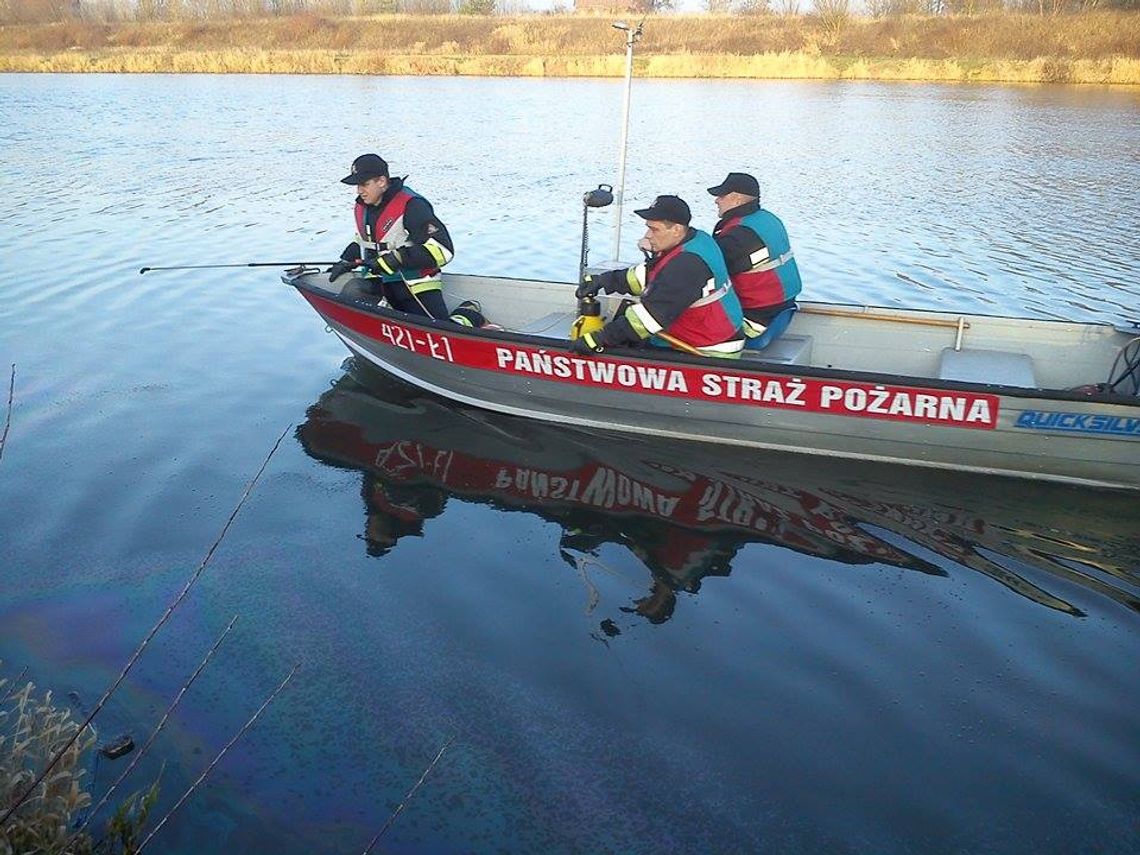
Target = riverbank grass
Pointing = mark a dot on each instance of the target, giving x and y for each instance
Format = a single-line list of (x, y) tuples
[(773, 66), (1095, 48)]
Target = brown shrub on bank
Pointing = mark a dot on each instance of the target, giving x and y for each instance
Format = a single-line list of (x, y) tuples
[(963, 39), (1094, 35), (51, 37)]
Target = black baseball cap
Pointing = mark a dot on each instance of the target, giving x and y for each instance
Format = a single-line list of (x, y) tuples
[(671, 209), (364, 167), (737, 182)]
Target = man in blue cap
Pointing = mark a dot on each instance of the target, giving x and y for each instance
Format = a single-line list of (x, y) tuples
[(759, 258), (684, 289)]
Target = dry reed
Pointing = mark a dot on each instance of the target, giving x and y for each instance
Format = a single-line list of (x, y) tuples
[(1096, 47), (33, 734), (786, 65)]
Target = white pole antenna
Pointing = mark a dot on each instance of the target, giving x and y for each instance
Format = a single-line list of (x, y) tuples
[(632, 34)]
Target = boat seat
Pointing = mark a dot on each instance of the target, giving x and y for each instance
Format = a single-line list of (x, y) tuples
[(995, 367), (553, 325), (786, 350)]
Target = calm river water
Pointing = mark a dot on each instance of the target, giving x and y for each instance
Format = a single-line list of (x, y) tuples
[(777, 654)]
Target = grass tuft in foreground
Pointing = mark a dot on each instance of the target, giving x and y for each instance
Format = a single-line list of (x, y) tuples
[(32, 730)]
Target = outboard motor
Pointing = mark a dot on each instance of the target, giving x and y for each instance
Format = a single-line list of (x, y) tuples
[(589, 309), (600, 197)]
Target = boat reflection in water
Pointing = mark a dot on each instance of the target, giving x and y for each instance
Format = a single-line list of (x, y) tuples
[(685, 509)]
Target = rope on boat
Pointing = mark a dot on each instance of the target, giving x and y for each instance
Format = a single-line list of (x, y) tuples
[(1129, 355)]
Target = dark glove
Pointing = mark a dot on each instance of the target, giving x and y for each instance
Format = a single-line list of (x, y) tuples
[(339, 269), (588, 288), (386, 263), (588, 345)]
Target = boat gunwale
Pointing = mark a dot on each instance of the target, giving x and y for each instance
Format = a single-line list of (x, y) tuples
[(750, 365)]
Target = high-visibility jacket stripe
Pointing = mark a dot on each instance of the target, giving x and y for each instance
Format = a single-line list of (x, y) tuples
[(635, 278), (438, 251), (643, 323)]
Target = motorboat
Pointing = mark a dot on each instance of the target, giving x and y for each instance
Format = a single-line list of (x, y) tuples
[(1040, 399)]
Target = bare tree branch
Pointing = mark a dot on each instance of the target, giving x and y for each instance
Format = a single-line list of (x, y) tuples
[(408, 797), (158, 729), (8, 420), (216, 759)]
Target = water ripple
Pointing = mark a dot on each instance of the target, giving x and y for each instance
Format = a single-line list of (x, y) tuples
[(877, 662)]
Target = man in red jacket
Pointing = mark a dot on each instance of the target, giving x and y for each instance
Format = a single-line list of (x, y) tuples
[(684, 289)]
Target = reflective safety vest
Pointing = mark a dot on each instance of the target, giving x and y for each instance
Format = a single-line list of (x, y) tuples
[(387, 231), (773, 277), (712, 322)]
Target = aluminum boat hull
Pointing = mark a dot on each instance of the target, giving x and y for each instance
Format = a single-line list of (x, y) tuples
[(1054, 434)]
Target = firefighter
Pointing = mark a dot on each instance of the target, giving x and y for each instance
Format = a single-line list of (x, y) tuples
[(759, 258), (684, 289), (400, 242)]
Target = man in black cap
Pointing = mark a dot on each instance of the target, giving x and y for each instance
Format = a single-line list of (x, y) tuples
[(400, 243), (687, 301), (759, 258)]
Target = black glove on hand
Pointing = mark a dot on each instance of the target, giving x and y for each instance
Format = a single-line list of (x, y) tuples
[(587, 345), (588, 288), (386, 263), (339, 269)]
